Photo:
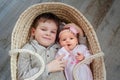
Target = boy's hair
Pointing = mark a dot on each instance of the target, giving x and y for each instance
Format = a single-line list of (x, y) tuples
[(43, 18)]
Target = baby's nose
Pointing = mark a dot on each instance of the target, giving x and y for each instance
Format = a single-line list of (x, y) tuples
[(67, 41)]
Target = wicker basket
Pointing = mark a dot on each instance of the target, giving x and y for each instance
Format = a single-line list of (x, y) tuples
[(68, 14)]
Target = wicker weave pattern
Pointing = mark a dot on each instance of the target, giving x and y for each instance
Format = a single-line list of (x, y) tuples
[(20, 32)]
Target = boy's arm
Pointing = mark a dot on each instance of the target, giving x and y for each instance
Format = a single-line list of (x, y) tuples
[(25, 69)]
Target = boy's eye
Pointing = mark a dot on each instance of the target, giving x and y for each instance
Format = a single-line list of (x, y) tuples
[(53, 31), (43, 29), (64, 40)]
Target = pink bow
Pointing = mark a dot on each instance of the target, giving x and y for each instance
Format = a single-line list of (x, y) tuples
[(73, 30)]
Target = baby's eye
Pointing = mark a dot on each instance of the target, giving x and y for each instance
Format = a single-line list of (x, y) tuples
[(71, 38)]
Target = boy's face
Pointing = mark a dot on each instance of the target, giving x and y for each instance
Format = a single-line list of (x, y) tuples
[(45, 33), (68, 39)]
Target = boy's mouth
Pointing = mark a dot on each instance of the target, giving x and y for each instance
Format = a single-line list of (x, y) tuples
[(47, 38)]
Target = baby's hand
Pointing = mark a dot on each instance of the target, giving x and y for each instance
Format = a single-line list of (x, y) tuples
[(80, 57)]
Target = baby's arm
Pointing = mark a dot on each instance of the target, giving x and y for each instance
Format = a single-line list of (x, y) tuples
[(86, 53), (80, 56), (82, 52)]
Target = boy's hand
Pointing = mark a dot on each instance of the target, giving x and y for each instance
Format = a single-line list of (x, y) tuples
[(80, 56), (56, 65)]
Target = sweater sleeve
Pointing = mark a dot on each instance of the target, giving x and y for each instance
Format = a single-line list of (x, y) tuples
[(25, 69)]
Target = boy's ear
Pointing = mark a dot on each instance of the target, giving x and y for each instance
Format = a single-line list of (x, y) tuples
[(32, 31)]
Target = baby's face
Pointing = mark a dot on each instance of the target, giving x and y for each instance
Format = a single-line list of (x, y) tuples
[(68, 39)]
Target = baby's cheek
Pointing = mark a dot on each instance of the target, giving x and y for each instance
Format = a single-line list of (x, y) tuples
[(62, 44)]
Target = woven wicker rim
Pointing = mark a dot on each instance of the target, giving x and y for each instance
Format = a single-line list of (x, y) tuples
[(66, 13)]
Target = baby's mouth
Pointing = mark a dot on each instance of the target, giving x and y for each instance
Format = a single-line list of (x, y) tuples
[(68, 44)]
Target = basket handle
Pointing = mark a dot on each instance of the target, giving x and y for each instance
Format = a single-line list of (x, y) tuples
[(14, 51), (86, 60)]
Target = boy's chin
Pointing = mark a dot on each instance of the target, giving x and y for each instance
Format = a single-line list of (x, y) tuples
[(47, 45)]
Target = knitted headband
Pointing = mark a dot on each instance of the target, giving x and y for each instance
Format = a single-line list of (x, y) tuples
[(69, 29)]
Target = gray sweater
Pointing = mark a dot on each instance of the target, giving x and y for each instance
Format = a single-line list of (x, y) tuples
[(28, 65)]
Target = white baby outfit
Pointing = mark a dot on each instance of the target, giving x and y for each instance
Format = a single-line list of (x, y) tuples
[(84, 72)]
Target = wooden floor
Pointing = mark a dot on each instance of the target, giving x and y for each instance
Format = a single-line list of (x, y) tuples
[(104, 15)]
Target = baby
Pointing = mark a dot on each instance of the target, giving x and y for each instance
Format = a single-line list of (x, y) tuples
[(74, 53)]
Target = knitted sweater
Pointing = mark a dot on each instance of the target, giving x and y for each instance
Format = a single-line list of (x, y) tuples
[(28, 65)]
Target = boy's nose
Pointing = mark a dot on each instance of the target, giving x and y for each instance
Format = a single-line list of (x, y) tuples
[(47, 33)]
